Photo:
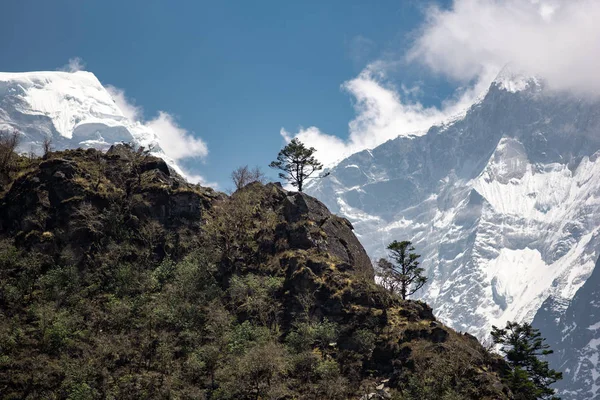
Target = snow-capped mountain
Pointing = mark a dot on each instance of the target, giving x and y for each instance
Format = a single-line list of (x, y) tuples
[(72, 109), (574, 335), (502, 203)]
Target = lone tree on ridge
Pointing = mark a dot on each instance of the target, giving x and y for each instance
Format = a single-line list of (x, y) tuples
[(297, 162)]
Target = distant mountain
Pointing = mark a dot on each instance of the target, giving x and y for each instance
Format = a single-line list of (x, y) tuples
[(503, 203), (72, 109)]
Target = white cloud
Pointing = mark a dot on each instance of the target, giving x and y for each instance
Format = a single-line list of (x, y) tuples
[(558, 40), (177, 142), (383, 114), (127, 106), (75, 64), (468, 43)]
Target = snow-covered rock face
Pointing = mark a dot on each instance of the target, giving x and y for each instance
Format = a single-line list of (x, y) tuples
[(72, 109), (503, 204), (574, 335)]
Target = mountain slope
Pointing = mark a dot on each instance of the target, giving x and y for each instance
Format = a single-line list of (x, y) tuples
[(575, 337), (503, 203), (120, 280)]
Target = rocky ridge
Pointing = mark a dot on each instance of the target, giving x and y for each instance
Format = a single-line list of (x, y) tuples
[(115, 275)]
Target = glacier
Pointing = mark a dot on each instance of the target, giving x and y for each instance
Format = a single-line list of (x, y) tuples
[(72, 109), (502, 202)]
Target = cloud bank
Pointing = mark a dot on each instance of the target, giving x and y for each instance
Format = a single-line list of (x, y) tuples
[(468, 44), (382, 113), (558, 40), (127, 106), (176, 141)]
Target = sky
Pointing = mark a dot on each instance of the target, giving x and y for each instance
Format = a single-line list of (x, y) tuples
[(228, 82)]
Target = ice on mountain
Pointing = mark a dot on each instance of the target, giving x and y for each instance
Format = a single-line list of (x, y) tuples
[(72, 109), (503, 204)]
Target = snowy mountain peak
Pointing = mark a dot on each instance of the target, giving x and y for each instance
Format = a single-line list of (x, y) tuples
[(72, 109), (69, 100), (513, 80)]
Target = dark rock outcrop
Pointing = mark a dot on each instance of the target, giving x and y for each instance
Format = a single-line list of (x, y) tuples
[(55, 193)]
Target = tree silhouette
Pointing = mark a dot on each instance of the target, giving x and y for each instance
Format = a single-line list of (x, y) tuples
[(297, 162), (244, 175)]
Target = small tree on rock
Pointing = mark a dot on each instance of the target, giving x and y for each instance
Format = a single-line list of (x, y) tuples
[(9, 141), (522, 345), (243, 176), (297, 162), (402, 275), (46, 146)]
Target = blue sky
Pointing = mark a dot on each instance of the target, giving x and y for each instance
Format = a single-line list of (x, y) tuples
[(233, 72), (236, 72)]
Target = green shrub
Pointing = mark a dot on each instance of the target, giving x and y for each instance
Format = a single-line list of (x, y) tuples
[(255, 296)]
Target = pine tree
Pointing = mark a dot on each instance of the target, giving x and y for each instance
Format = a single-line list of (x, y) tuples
[(522, 345), (403, 275), (297, 163)]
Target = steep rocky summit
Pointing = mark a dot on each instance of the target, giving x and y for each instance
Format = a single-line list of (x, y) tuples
[(118, 279)]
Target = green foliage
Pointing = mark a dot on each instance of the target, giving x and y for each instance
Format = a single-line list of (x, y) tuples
[(82, 391), (234, 226), (403, 275), (297, 162), (256, 374), (245, 334), (444, 372), (307, 335), (314, 369), (164, 272), (530, 377), (106, 291), (364, 341), (254, 295)]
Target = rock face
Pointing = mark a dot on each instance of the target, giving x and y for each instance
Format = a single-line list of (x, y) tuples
[(503, 203), (67, 190), (340, 240), (575, 338), (111, 247)]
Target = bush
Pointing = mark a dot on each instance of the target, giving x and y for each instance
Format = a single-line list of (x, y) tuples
[(307, 335), (255, 296), (363, 340)]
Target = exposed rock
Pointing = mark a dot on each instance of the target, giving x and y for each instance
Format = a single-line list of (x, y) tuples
[(49, 196), (341, 242)]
